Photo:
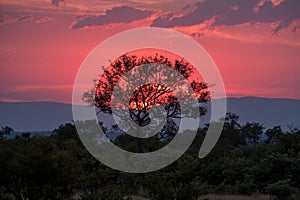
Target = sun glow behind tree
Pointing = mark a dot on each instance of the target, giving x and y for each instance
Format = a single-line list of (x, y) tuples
[(174, 71)]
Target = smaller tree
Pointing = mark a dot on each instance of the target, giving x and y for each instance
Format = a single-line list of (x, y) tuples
[(5, 131), (281, 190), (65, 131), (273, 134), (231, 130), (252, 132)]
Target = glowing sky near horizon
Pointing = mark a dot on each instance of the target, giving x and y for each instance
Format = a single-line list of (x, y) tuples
[(255, 43)]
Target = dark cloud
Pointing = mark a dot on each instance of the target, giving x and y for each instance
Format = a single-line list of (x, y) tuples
[(243, 12), (203, 11), (122, 14), (25, 18), (14, 18), (58, 2)]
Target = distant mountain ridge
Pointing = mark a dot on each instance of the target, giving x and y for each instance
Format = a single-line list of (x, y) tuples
[(46, 116), (268, 111)]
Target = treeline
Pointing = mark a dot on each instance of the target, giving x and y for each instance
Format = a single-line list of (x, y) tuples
[(246, 160)]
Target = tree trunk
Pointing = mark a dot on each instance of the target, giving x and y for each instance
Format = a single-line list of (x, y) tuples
[(139, 145)]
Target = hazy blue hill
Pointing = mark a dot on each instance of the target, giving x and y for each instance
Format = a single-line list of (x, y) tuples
[(270, 112), (46, 116), (34, 116)]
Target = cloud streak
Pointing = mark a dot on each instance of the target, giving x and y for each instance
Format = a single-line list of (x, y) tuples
[(25, 18), (123, 14), (5, 19)]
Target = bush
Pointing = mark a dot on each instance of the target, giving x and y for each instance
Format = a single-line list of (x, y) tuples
[(281, 190)]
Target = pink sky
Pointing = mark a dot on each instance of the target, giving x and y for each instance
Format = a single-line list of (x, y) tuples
[(255, 44)]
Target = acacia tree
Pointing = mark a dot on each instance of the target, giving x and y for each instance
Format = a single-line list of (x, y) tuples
[(148, 93)]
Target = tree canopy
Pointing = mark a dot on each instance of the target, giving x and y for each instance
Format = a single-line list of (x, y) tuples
[(146, 93), (59, 167)]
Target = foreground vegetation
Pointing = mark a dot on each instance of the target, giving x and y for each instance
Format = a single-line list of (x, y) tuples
[(242, 163)]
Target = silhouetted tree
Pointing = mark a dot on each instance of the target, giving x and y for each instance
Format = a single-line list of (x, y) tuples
[(281, 190), (147, 95), (232, 130), (65, 131), (5, 131), (252, 132), (273, 134)]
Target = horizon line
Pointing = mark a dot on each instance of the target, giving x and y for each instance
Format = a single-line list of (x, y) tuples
[(70, 103)]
